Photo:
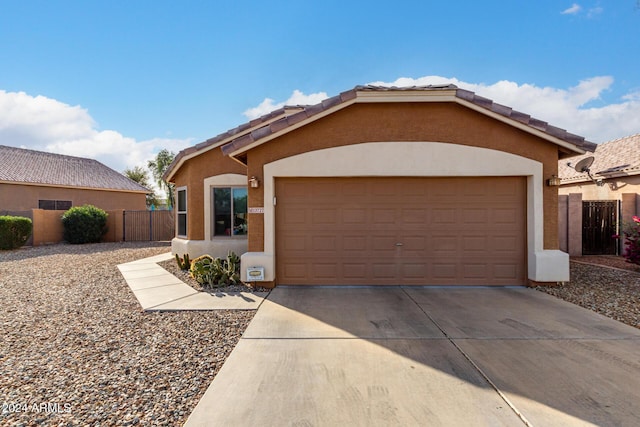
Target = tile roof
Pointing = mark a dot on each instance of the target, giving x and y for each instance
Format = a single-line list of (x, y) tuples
[(36, 167), (274, 122), (612, 158)]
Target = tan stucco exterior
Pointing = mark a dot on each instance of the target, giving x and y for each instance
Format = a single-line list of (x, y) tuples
[(198, 175), (24, 197), (437, 122), (611, 188), (422, 139), (624, 189)]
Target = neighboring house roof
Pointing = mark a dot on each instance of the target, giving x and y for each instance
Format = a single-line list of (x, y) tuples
[(21, 166), (263, 129), (619, 157)]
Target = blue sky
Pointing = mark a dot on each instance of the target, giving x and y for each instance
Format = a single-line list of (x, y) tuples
[(120, 80)]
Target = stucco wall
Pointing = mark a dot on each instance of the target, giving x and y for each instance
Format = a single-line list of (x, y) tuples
[(192, 174), (15, 197), (441, 122), (613, 189)]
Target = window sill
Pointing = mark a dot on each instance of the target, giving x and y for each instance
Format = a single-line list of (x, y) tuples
[(236, 237)]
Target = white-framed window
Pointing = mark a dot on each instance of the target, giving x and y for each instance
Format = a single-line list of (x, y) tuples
[(229, 211), (181, 211)]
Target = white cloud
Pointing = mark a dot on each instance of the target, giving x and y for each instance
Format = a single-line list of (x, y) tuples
[(45, 124), (575, 8), (297, 98), (593, 12), (565, 108)]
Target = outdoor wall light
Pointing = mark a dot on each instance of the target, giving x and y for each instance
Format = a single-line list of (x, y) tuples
[(554, 181), (254, 182)]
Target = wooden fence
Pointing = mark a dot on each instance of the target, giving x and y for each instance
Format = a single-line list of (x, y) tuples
[(121, 226), (147, 226)]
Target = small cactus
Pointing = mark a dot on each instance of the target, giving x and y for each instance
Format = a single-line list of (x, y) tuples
[(216, 272), (184, 263)]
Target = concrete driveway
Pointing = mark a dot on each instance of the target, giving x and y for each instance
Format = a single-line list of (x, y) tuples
[(426, 356)]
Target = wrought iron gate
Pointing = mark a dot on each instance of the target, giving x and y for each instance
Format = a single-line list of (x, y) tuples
[(599, 225), (147, 226)]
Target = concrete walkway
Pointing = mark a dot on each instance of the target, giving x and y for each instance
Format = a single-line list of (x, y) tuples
[(158, 290), (426, 356)]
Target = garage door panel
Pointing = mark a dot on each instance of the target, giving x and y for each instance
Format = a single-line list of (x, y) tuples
[(326, 271), (505, 216), (445, 271), (415, 271), (324, 216), (474, 271), (474, 244), (324, 243), (353, 216), (401, 231), (385, 271), (294, 243), (294, 216), (507, 271), (444, 216), (384, 216), (413, 217)]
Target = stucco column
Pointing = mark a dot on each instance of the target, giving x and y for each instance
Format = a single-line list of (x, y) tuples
[(563, 215), (574, 224)]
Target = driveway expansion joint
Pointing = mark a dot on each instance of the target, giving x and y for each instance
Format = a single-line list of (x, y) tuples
[(510, 404)]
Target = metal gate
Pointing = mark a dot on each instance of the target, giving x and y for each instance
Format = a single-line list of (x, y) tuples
[(599, 225), (147, 226)]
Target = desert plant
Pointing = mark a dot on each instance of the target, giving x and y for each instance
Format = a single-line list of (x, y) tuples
[(183, 263), (632, 240), (14, 231), (84, 224), (201, 269), (217, 272)]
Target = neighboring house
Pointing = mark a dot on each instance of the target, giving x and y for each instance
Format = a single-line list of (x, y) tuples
[(37, 180), (592, 207), (418, 186)]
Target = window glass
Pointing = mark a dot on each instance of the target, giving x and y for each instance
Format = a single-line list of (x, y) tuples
[(182, 200), (182, 224), (230, 211), (63, 205), (239, 211), (53, 205), (47, 204), (182, 212)]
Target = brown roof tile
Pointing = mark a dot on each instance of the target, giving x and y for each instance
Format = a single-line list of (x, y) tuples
[(37, 167), (617, 157), (291, 117)]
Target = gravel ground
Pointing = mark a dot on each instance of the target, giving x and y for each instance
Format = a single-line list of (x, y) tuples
[(76, 349), (613, 292)]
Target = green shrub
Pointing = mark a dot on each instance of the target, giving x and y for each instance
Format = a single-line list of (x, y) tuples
[(84, 224), (14, 231), (217, 272)]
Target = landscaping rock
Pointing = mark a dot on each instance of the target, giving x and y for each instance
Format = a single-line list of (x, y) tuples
[(76, 348)]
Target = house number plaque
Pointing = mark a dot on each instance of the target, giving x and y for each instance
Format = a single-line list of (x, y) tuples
[(255, 210)]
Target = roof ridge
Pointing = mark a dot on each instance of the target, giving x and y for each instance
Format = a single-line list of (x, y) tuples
[(27, 166), (262, 127), (48, 153)]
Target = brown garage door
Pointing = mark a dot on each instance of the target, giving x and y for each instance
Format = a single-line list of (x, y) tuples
[(413, 231)]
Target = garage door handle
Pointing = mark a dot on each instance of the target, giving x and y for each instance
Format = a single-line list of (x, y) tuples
[(399, 244)]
